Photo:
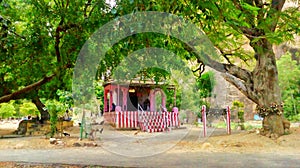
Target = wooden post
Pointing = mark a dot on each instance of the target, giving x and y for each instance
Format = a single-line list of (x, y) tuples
[(228, 120), (203, 110)]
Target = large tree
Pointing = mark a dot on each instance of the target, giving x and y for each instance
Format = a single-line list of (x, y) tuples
[(260, 24), (243, 32), (36, 33), (39, 43)]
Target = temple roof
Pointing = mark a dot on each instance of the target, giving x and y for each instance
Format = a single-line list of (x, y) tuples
[(138, 82)]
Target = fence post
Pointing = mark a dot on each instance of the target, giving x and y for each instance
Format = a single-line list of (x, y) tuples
[(228, 120), (117, 116), (203, 110)]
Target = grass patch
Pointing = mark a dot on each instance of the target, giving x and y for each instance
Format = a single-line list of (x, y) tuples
[(234, 125)]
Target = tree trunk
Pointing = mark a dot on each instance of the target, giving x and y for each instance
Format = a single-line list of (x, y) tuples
[(265, 84), (41, 107)]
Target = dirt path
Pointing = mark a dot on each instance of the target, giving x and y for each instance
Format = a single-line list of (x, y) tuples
[(96, 156), (181, 148)]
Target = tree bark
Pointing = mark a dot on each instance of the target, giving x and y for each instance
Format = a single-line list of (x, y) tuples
[(41, 107), (22, 92), (265, 85)]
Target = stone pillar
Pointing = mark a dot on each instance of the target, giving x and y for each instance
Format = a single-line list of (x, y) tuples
[(163, 99), (117, 115), (105, 100), (125, 93), (152, 100), (110, 100)]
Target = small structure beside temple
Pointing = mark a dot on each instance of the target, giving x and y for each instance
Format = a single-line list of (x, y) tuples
[(139, 105)]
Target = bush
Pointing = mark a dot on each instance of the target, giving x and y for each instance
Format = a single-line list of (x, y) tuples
[(241, 116), (7, 110), (55, 108), (295, 118)]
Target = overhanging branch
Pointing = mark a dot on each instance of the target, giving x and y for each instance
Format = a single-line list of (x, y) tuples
[(242, 86), (18, 94), (241, 73)]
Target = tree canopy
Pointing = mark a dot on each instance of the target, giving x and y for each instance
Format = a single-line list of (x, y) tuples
[(40, 41), (289, 83)]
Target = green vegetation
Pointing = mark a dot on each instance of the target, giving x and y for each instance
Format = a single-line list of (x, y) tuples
[(289, 82), (38, 54), (7, 110), (206, 84), (55, 109), (234, 125), (238, 107), (28, 109), (18, 109)]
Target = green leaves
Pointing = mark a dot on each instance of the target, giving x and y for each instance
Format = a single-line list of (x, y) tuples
[(28, 109), (7, 110), (249, 7), (289, 82), (43, 37), (206, 84)]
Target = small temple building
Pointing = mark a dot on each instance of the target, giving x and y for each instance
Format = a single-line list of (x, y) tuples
[(139, 105)]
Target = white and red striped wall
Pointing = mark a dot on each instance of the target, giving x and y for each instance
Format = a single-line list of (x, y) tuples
[(146, 121)]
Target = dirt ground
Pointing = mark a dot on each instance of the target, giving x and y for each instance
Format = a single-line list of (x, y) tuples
[(243, 142)]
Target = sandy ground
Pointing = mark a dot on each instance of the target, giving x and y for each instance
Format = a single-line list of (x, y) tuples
[(242, 142)]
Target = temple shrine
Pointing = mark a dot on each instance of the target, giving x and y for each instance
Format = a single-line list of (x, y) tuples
[(139, 105)]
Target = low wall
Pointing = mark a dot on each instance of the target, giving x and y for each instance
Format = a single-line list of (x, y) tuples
[(146, 121), (31, 127)]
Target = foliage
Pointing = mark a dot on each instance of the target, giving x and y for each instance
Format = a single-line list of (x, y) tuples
[(295, 118), (28, 109), (182, 116), (206, 83), (19, 108), (7, 110), (42, 50), (239, 107), (55, 110), (187, 98), (99, 91), (65, 97), (170, 101), (241, 116), (289, 82), (223, 124), (234, 125)]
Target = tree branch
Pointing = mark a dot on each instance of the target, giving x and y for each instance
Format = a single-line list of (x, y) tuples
[(201, 68), (88, 3), (276, 6), (93, 8), (244, 88), (41, 107), (57, 40), (241, 73), (18, 94), (260, 4), (61, 28)]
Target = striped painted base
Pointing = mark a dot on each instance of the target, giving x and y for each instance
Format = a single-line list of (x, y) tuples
[(146, 121)]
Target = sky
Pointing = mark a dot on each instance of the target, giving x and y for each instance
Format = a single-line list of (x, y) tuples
[(111, 2)]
